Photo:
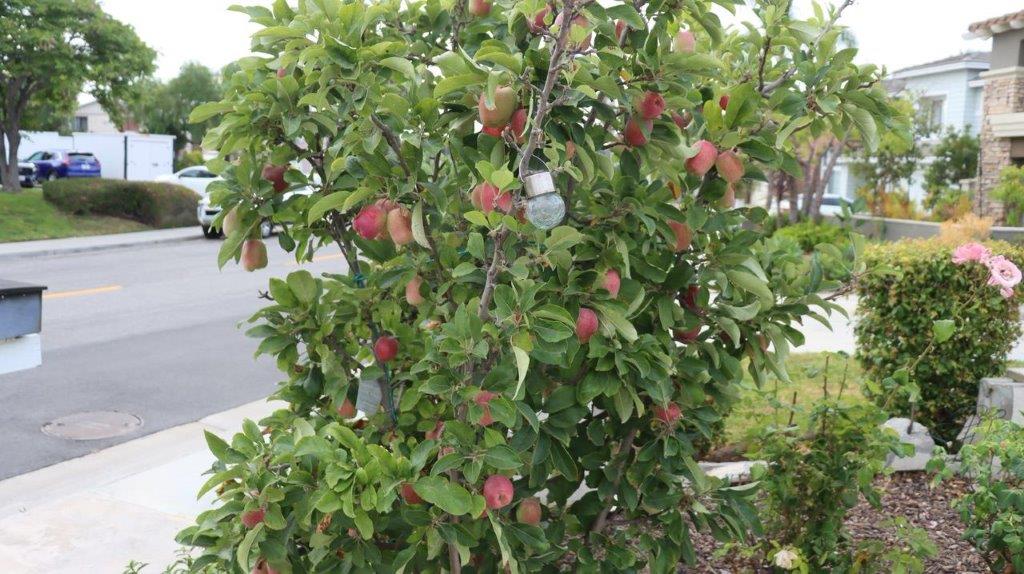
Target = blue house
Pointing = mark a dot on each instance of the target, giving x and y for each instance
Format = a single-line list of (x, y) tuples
[(949, 93)]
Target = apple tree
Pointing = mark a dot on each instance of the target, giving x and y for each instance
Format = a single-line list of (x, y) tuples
[(549, 297)]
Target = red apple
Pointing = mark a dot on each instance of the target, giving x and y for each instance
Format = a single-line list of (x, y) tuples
[(684, 236), (494, 132), (730, 166), (536, 24), (668, 414), (483, 398), (412, 291), (651, 106), (570, 150), (621, 28), (371, 222), (282, 72), (728, 200), (529, 511), (479, 7), (263, 567), (386, 204), (579, 21), (400, 226), (682, 120), (385, 348), (254, 254), (702, 162), (688, 299), (409, 494), (688, 336), (505, 103), (435, 433), (487, 197), (723, 102), (611, 282), (275, 175), (684, 42), (586, 325), (498, 491), (347, 410), (251, 518), (636, 132), (229, 225), (518, 125)]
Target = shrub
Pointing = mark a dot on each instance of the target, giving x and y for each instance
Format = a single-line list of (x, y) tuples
[(896, 314), (151, 203), (496, 360), (817, 469), (188, 159), (809, 234), (968, 227), (993, 508), (1010, 191)]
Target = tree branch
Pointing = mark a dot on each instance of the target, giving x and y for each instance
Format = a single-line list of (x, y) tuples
[(624, 446), (770, 87)]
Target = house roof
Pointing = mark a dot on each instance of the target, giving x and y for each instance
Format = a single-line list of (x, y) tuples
[(997, 25), (965, 57)]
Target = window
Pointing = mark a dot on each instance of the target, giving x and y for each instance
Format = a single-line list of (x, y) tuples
[(931, 108), (35, 157), (190, 173), (81, 124)]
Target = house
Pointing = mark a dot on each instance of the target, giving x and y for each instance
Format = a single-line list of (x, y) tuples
[(948, 92), (1002, 122)]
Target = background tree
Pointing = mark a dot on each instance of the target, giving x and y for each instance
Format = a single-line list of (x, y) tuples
[(52, 48), (893, 162), (163, 108), (505, 358), (956, 159)]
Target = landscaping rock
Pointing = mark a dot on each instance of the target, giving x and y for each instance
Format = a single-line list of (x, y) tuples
[(736, 472), (918, 437), (1003, 395)]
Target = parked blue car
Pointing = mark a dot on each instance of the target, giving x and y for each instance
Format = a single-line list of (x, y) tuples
[(53, 164)]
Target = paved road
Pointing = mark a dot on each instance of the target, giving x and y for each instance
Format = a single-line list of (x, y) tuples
[(149, 330)]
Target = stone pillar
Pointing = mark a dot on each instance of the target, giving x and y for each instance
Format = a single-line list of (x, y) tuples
[(1003, 94)]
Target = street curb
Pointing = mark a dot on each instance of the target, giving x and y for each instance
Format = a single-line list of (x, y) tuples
[(44, 251)]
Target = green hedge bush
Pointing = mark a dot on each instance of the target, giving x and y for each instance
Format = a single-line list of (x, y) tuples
[(896, 312), (808, 234), (151, 203)]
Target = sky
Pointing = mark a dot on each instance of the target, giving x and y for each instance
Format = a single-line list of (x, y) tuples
[(893, 33)]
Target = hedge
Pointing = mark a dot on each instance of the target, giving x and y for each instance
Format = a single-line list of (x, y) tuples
[(151, 203), (896, 312), (808, 234)]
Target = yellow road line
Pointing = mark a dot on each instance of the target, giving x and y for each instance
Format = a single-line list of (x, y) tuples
[(80, 292)]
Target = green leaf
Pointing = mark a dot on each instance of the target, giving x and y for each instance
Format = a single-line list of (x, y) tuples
[(618, 321), (244, 549), (363, 524), (943, 329), (865, 125), (451, 498), (400, 65), (502, 457), (522, 365), (203, 112), (419, 232)]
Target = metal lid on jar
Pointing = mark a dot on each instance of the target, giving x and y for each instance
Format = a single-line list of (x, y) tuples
[(539, 183)]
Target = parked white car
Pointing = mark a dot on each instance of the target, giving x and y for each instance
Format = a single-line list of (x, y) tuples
[(197, 178), (206, 214), (27, 173)]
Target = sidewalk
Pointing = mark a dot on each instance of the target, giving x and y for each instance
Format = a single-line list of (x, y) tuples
[(97, 242), (98, 512)]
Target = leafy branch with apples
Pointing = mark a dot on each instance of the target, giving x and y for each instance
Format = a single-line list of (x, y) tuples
[(549, 297)]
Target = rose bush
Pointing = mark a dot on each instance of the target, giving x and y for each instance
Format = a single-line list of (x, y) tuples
[(534, 385)]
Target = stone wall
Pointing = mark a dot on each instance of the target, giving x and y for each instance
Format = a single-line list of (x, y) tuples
[(1004, 94)]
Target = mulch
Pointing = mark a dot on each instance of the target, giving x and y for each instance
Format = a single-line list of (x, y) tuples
[(906, 494)]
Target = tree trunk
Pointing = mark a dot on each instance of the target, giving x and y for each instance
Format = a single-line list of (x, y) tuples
[(794, 199), (836, 149), (9, 160)]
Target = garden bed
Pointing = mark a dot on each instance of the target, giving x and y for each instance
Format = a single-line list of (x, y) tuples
[(907, 495)]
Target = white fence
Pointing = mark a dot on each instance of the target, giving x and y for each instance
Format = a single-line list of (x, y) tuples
[(139, 157)]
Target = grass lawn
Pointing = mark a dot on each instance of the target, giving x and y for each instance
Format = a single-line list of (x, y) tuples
[(807, 372), (26, 215)]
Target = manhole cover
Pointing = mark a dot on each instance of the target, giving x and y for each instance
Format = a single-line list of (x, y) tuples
[(92, 425)]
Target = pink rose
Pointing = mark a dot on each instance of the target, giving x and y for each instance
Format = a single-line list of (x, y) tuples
[(971, 252), (1006, 292), (1003, 274)]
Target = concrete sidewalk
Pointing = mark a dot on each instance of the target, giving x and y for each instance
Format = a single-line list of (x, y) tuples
[(97, 242), (98, 512)]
